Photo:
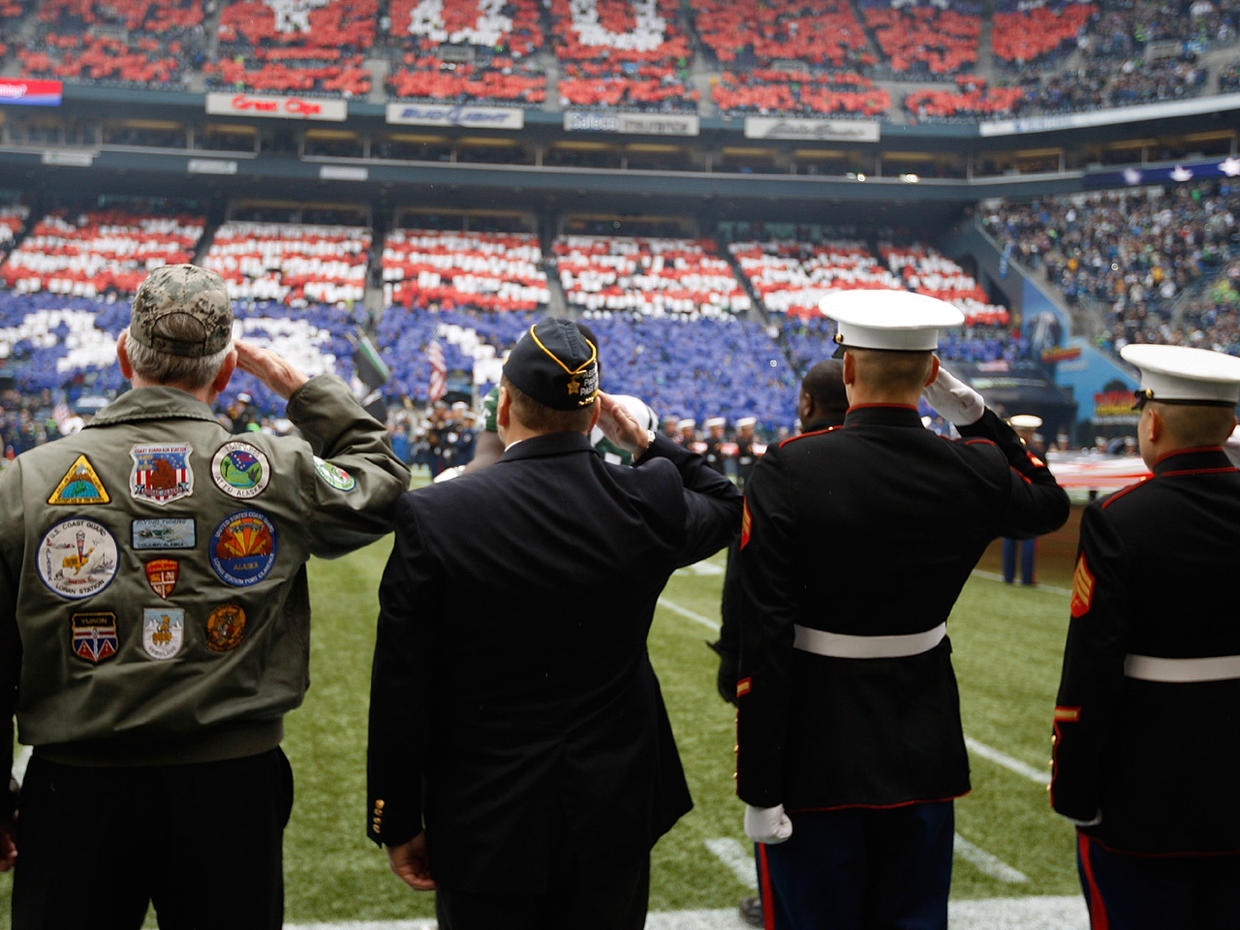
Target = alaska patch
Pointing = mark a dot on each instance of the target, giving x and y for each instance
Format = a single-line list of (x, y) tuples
[(163, 631), (77, 558), (1082, 589), (334, 475), (164, 533), (94, 635), (80, 485), (162, 574), (243, 548), (240, 470), (161, 473), (225, 628)]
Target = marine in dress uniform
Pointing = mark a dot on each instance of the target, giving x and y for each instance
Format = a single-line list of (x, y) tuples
[(1026, 426), (521, 760), (855, 544), (746, 455), (1145, 756), (714, 443)]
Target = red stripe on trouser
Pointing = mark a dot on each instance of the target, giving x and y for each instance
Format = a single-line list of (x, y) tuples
[(1097, 909), (768, 900)]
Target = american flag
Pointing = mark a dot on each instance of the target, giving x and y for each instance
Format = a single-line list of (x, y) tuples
[(439, 371)]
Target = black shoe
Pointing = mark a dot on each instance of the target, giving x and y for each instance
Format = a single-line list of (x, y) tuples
[(751, 912)]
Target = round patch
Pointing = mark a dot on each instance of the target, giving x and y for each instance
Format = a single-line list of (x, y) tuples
[(225, 628), (77, 558), (334, 475), (243, 548), (240, 470)]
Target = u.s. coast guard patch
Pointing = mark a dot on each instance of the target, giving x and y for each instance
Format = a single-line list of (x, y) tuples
[(161, 473), (243, 548), (240, 470), (94, 635), (77, 558), (163, 631)]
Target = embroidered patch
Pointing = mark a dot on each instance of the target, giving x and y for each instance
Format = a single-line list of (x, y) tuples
[(1068, 714), (77, 558), (334, 475), (164, 533), (162, 574), (240, 470), (80, 485), (744, 686), (746, 523), (163, 631), (1082, 589), (94, 635), (243, 548), (225, 628), (161, 474)]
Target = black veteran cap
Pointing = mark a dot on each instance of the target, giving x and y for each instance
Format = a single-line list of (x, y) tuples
[(182, 310), (555, 365)]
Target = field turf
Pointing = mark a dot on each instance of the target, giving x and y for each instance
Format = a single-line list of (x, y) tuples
[(1007, 645)]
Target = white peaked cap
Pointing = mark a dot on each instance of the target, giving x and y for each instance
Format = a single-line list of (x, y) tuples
[(1025, 421), (687, 422), (715, 421), (1178, 373), (747, 421), (892, 320)]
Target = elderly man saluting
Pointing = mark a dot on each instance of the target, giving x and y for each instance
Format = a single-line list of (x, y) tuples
[(521, 760)]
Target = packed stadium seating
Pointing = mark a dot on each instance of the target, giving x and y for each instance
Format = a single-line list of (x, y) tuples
[(791, 276), (926, 271), (652, 276), (291, 262), (820, 33), (100, 251), (973, 99), (492, 271), (1021, 35), (925, 39), (12, 221), (765, 90)]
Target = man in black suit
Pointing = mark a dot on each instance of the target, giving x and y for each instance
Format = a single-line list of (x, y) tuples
[(521, 761), (854, 546), (1145, 750)]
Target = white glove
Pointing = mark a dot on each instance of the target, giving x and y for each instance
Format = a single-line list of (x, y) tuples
[(449, 473), (955, 401), (1084, 823), (768, 825)]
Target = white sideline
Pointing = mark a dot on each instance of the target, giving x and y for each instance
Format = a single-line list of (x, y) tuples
[(737, 858), (1003, 759), (986, 863), (1048, 588), (688, 614), (1036, 913)]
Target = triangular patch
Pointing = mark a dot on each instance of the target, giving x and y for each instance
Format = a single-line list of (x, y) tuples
[(80, 485)]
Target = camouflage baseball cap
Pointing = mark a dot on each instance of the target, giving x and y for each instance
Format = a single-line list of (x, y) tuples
[(182, 310)]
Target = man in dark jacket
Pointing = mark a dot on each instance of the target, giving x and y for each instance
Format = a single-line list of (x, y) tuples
[(1145, 751), (521, 761), (854, 546)]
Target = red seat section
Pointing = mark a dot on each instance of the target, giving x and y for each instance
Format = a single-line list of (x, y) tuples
[(489, 271), (921, 38), (791, 276), (291, 262), (927, 271)]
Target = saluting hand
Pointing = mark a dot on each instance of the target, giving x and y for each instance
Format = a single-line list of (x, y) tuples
[(620, 427), (270, 368)]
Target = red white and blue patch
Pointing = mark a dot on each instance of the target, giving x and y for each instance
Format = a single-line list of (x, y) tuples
[(161, 473), (94, 635), (243, 548), (162, 575)]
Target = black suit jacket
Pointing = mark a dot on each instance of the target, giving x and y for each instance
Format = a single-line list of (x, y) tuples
[(514, 711)]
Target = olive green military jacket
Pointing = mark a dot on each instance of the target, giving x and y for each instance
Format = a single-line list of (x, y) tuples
[(153, 599)]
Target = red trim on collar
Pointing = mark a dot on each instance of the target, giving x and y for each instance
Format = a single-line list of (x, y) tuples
[(895, 406), (817, 432), (1122, 491), (1167, 455)]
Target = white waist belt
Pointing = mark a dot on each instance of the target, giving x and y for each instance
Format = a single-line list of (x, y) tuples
[(1152, 668), (845, 646)]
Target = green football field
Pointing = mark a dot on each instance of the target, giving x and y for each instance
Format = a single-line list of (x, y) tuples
[(1007, 646)]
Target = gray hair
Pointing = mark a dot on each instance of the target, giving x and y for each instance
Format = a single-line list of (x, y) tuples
[(161, 368)]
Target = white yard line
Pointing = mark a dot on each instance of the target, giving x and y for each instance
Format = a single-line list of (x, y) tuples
[(1048, 588), (1009, 763), (689, 614), (20, 761), (986, 863), (1034, 913), (737, 858)]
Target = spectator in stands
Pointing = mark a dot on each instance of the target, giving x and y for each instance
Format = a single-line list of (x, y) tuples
[(1026, 426)]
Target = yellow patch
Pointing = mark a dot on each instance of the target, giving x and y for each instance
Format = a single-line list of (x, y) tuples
[(1068, 714), (744, 686), (746, 522), (80, 485), (1082, 588)]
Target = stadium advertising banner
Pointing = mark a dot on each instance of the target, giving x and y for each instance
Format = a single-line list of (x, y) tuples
[(635, 124), (30, 93), (1114, 407), (818, 130), (1146, 111), (438, 114), (283, 107)]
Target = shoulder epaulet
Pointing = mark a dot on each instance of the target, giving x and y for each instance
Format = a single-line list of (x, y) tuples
[(817, 432)]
